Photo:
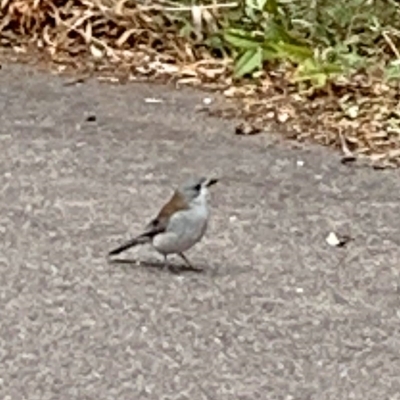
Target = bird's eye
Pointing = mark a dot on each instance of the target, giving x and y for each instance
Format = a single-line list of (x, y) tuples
[(197, 187)]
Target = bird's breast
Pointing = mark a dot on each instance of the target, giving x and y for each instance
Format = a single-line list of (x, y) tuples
[(184, 230)]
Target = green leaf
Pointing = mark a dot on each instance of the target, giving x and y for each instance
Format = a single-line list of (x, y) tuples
[(270, 53), (392, 71), (293, 52), (276, 32), (250, 61), (315, 72), (271, 6), (241, 39)]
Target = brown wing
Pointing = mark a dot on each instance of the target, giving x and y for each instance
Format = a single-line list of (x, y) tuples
[(160, 223)]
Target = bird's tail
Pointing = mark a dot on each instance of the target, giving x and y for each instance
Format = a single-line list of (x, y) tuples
[(133, 242)]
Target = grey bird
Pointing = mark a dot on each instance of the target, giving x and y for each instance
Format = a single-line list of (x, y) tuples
[(180, 224)]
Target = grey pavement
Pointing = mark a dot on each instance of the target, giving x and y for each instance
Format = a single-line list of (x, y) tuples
[(277, 313)]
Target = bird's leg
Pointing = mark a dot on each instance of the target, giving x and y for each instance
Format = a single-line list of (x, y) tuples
[(188, 263), (168, 266), (184, 258)]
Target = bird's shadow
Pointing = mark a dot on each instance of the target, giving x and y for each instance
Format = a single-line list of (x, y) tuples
[(173, 268)]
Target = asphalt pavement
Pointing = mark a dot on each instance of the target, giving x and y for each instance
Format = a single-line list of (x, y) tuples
[(277, 313)]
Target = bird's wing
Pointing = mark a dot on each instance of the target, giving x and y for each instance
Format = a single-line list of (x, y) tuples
[(157, 225), (160, 223), (154, 227)]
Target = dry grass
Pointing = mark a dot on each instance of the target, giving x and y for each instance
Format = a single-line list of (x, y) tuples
[(120, 31), (360, 116)]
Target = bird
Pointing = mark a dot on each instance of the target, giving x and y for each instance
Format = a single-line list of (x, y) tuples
[(180, 224)]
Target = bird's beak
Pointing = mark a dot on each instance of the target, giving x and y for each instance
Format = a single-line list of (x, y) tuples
[(211, 182)]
